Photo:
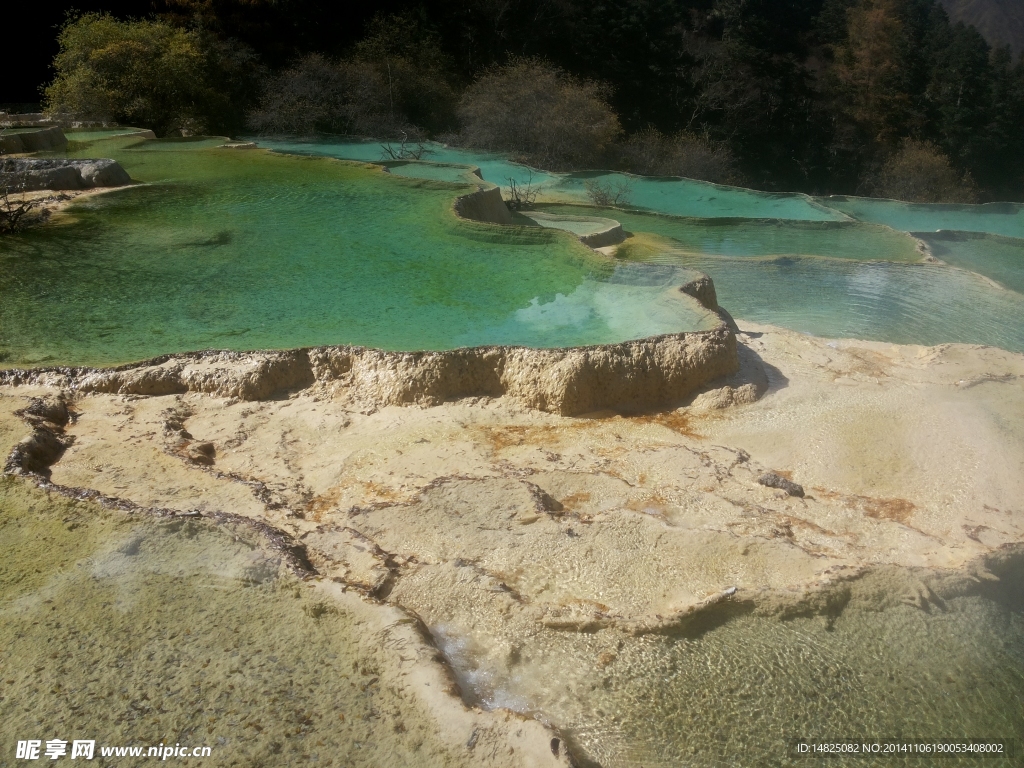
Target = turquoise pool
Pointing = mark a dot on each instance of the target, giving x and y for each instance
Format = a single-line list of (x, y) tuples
[(680, 197), (1005, 219), (243, 249)]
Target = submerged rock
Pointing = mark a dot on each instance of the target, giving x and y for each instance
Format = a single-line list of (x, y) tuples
[(31, 174)]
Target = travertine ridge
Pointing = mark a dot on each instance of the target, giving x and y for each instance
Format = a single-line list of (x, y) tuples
[(631, 375)]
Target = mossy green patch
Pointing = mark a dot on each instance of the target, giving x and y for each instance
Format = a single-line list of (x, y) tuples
[(132, 630)]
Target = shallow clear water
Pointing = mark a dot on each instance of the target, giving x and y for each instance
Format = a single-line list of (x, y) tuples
[(1005, 219), (753, 237), (999, 258), (899, 303), (133, 630), (244, 249), (737, 688), (679, 197), (738, 695)]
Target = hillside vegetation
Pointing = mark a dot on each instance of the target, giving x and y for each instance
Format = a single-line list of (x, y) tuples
[(824, 96), (1001, 22)]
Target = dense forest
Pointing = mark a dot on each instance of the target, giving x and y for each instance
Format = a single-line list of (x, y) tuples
[(881, 97)]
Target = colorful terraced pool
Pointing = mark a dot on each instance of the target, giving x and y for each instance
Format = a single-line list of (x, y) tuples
[(244, 249)]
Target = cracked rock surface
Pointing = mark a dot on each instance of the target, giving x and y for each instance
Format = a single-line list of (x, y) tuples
[(503, 528)]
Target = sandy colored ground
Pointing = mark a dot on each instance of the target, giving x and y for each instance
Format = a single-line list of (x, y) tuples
[(141, 630), (50, 206), (499, 526)]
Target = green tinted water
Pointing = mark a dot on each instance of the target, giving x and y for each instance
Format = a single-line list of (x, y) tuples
[(458, 174), (690, 198), (999, 258), (1005, 219), (242, 249), (94, 134), (245, 249), (752, 237), (687, 197), (878, 301), (899, 303), (680, 197)]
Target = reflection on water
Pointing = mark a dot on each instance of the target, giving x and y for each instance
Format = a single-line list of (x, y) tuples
[(899, 303), (634, 301), (250, 250)]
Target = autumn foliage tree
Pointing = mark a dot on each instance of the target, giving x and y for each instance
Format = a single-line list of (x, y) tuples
[(319, 95), (868, 70), (151, 74), (919, 173)]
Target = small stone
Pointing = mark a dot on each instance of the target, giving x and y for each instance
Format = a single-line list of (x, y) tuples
[(772, 480), (202, 453)]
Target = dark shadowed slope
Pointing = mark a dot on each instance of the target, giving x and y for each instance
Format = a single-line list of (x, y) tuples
[(1000, 21)]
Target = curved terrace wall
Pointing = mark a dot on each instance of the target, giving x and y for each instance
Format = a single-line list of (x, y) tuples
[(631, 375), (32, 141), (484, 205)]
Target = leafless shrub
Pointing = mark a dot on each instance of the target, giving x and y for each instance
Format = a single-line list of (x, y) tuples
[(317, 95), (403, 151), (14, 213), (920, 173), (652, 153), (539, 113), (519, 197), (395, 79), (608, 194)]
